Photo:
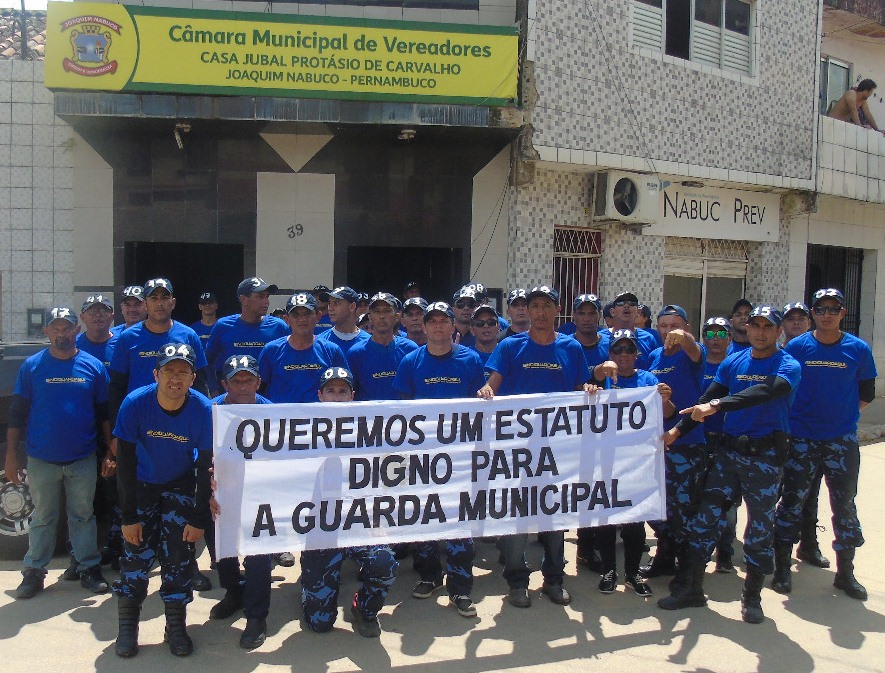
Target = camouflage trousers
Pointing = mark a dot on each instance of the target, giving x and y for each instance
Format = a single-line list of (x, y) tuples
[(840, 461), (321, 580), (162, 516), (459, 564), (733, 476)]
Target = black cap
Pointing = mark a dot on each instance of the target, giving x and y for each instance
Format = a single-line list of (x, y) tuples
[(621, 334), (828, 293), (155, 284), (94, 299), (513, 295), (344, 292), (301, 300), (336, 374), (415, 301), (439, 307), (255, 284), (387, 298), (177, 351), (207, 298), (240, 363), (717, 321), (770, 313), (544, 291), (63, 313), (134, 291), (626, 296), (739, 303), (582, 299), (796, 306), (321, 292)]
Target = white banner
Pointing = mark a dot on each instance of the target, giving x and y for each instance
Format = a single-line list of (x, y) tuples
[(314, 476)]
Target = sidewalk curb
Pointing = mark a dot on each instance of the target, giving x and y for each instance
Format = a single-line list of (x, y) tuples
[(870, 433)]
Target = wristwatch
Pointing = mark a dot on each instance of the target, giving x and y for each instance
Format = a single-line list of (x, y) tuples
[(715, 403)]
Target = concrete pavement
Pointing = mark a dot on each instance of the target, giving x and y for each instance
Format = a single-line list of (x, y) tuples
[(815, 629)]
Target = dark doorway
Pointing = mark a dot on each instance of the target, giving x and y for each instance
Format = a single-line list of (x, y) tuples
[(193, 268), (438, 270), (678, 29), (841, 268)]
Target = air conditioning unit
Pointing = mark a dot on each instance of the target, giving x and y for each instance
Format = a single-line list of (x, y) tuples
[(631, 198)]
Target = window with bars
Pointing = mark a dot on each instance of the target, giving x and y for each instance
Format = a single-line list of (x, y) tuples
[(576, 253), (717, 33)]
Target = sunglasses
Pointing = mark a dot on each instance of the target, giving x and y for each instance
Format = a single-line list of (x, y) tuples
[(626, 303), (491, 322), (465, 303), (620, 350), (716, 334), (827, 310)]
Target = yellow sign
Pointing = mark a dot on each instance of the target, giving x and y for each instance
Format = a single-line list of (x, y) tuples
[(110, 47)]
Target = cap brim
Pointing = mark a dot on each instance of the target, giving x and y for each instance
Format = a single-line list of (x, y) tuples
[(229, 376), (166, 361)]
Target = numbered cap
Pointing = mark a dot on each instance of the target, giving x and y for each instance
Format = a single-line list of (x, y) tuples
[(134, 291), (208, 298), (412, 284), (718, 322), (336, 374), (828, 293), (255, 284), (240, 363), (94, 299), (769, 312), (387, 298), (582, 299), (346, 293), (544, 291), (177, 351), (518, 293), (362, 297), (624, 335), (673, 309), (626, 296), (440, 307), (485, 308), (63, 313), (796, 306), (478, 289), (645, 311), (301, 300), (155, 284), (322, 292), (465, 293), (417, 302)]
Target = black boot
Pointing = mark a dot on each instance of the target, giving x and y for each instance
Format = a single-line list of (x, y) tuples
[(782, 582), (845, 579), (808, 549), (180, 644), (128, 613), (691, 593), (751, 598), (664, 562), (682, 570)]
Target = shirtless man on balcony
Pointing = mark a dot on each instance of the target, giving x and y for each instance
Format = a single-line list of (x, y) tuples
[(852, 107)]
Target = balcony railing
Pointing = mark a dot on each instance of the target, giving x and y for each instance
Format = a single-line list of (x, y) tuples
[(850, 161)]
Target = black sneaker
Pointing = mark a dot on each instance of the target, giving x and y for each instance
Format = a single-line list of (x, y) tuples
[(285, 559), (254, 634), (367, 627), (199, 582), (608, 582), (227, 606), (519, 597), (426, 588), (71, 574), (638, 584), (93, 580), (556, 593), (463, 605), (724, 564), (32, 584)]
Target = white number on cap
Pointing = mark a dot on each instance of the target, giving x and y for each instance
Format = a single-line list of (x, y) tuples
[(157, 282), (172, 349), (60, 313), (257, 282), (243, 362), (300, 299), (764, 311)]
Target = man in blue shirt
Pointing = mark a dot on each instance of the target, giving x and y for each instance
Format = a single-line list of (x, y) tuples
[(740, 314), (538, 361), (245, 333), (413, 320), (164, 452), (838, 381), (760, 383), (484, 327), (290, 367), (624, 309), (442, 370), (324, 322), (518, 312), (59, 400), (208, 305), (132, 308), (342, 312)]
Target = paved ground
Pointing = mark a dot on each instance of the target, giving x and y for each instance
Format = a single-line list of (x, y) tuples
[(815, 629)]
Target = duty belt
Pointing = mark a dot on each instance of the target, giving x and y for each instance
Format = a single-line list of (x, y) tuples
[(749, 446)]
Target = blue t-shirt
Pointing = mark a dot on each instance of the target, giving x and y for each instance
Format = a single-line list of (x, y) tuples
[(467, 339), (827, 403), (166, 444), (233, 336), (711, 423), (203, 331), (735, 347), (567, 328), (344, 344), (137, 348), (62, 394), (222, 399), (116, 329), (686, 380), (483, 358), (324, 322), (374, 367), (740, 371), (294, 375), (423, 376), (529, 367), (102, 352), (597, 354), (641, 379)]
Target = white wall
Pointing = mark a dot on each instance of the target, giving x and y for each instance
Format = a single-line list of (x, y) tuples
[(867, 57), (491, 214)]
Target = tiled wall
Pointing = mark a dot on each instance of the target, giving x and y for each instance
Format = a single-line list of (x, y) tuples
[(36, 180), (851, 161), (767, 269), (602, 102)]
